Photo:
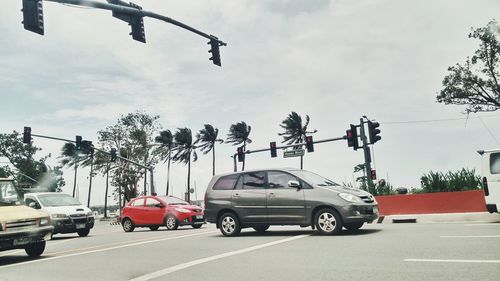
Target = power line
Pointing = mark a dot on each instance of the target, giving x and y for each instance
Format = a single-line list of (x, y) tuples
[(434, 120)]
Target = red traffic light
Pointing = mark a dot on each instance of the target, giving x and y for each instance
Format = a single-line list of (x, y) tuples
[(310, 144), (241, 154), (272, 146), (373, 175)]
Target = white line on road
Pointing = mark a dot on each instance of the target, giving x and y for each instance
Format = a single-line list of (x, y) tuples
[(452, 261), (181, 266), (471, 236), (106, 249), (482, 224)]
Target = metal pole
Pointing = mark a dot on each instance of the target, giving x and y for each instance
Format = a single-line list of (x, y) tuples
[(91, 174), (366, 151), (153, 191)]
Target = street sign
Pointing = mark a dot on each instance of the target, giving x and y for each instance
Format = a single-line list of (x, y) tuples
[(293, 153)]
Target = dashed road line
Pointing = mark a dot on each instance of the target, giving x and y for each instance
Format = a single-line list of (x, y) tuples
[(182, 266), (451, 261), (471, 236)]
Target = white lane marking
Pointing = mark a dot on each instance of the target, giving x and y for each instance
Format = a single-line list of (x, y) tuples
[(471, 236), (452, 261), (181, 266), (482, 224), (105, 249)]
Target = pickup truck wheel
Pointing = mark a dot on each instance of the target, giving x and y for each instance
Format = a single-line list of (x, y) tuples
[(35, 249), (128, 225), (328, 222), (171, 223), (229, 224), (83, 232), (353, 226)]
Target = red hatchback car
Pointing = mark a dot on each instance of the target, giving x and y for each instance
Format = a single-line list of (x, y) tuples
[(156, 211)]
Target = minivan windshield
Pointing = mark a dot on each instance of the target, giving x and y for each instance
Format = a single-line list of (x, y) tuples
[(313, 178), (57, 199), (8, 194)]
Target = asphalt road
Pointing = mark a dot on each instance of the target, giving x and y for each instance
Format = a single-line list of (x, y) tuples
[(439, 251)]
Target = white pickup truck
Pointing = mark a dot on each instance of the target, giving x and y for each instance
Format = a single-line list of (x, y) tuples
[(20, 226), (491, 179)]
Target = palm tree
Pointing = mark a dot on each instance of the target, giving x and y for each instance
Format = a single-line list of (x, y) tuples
[(238, 134), (207, 138), (184, 150), (166, 141), (295, 132), (71, 157)]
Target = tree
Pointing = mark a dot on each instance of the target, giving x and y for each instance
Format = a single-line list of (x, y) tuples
[(25, 168), (476, 83), (185, 149), (166, 141), (238, 134), (133, 137), (208, 137), (295, 131)]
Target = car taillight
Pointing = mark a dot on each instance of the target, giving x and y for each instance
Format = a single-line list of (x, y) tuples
[(485, 186)]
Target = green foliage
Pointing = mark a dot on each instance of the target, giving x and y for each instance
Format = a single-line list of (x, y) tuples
[(295, 131), (476, 83), (207, 138), (460, 180), (238, 134), (25, 168)]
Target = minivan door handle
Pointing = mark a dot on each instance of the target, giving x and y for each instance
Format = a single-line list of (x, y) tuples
[(272, 195), (236, 195)]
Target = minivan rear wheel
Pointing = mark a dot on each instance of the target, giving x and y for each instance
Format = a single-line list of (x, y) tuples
[(328, 222), (229, 224)]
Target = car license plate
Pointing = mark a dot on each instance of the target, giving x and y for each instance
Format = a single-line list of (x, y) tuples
[(21, 241), (375, 210), (199, 217), (80, 226)]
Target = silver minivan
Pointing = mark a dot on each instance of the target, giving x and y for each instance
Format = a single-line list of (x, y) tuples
[(262, 198)]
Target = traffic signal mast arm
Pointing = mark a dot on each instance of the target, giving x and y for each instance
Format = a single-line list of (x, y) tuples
[(134, 11), (294, 145)]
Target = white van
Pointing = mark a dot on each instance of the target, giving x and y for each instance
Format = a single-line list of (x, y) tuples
[(491, 178)]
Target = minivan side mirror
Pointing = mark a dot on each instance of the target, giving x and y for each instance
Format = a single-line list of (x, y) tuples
[(294, 184)]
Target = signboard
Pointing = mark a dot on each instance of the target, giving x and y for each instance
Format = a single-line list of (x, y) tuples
[(293, 153)]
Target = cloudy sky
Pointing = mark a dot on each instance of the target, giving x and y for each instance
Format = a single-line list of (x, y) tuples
[(335, 60)]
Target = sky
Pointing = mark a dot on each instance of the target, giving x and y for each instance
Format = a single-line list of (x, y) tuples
[(334, 60)]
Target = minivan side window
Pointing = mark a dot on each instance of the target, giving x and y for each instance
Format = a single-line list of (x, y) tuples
[(277, 179), (255, 180), (495, 163), (225, 183)]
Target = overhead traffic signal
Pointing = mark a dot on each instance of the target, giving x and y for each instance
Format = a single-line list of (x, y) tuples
[(214, 49), (241, 154), (272, 145), (373, 132), (27, 135), (33, 16), (352, 137), (136, 22), (78, 143), (309, 144), (113, 154)]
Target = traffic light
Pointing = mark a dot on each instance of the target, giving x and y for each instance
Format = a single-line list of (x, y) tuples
[(241, 154), (214, 49), (309, 144), (27, 135), (113, 154), (33, 16), (352, 137), (373, 132), (136, 22), (78, 144), (272, 145), (88, 148), (373, 175)]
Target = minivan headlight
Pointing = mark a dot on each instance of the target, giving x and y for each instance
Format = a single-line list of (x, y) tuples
[(350, 198)]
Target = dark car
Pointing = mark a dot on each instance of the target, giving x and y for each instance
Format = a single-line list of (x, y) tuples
[(263, 198), (156, 211)]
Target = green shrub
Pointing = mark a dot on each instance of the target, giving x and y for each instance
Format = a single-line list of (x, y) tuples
[(460, 180)]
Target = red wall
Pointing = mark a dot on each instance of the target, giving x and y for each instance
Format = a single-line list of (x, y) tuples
[(432, 203)]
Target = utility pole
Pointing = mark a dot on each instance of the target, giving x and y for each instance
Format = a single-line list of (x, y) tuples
[(366, 150)]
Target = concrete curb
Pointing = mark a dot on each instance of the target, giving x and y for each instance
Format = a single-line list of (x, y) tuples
[(478, 217)]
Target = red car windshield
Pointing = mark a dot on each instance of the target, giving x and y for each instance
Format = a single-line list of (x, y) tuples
[(174, 201)]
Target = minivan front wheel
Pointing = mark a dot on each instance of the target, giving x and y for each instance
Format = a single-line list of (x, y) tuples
[(327, 221), (229, 224)]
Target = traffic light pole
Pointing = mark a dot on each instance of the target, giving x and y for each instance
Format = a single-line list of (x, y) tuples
[(151, 169), (366, 150), (137, 12)]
